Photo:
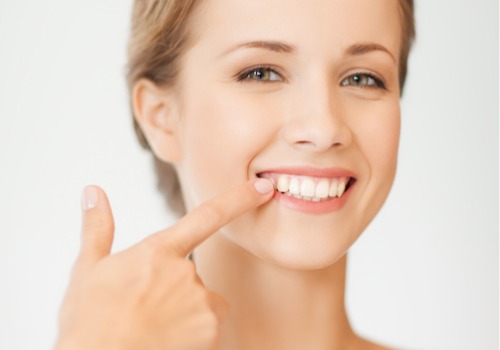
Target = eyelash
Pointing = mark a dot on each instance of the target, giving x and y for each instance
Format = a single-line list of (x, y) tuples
[(246, 76), (377, 82)]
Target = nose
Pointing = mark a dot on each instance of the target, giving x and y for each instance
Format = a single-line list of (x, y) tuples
[(317, 121)]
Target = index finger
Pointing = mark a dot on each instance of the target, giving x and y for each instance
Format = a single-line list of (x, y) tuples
[(206, 219)]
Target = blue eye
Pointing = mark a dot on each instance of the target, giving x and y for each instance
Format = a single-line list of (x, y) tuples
[(363, 80), (265, 74)]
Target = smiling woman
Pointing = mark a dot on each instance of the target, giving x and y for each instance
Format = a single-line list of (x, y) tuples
[(316, 100), (282, 127)]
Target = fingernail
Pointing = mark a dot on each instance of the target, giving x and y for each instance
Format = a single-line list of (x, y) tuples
[(263, 186), (90, 198)]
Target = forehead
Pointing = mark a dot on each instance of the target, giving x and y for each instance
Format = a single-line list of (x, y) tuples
[(317, 25)]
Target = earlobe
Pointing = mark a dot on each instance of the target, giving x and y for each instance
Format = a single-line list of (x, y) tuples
[(156, 113)]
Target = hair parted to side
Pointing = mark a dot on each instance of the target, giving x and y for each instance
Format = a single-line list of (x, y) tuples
[(156, 41), (158, 38), (407, 13)]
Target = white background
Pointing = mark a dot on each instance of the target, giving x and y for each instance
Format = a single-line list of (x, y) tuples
[(423, 276)]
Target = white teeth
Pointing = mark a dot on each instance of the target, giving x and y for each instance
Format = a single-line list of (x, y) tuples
[(322, 189), (283, 184), (294, 186), (273, 182), (333, 188), (309, 188), (341, 188)]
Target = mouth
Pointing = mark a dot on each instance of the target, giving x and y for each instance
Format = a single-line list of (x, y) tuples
[(309, 188)]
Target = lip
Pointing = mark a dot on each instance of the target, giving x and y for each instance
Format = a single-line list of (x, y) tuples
[(312, 172), (310, 207)]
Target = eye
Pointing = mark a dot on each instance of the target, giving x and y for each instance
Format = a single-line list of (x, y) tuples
[(265, 74), (363, 80)]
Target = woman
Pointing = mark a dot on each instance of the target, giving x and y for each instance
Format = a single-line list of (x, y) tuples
[(281, 122)]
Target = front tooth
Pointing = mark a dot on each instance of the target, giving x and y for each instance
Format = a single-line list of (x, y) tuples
[(334, 188), (341, 188), (294, 186), (307, 188), (322, 189), (283, 184)]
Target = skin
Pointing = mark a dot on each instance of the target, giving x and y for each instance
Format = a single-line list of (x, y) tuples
[(308, 119), (148, 296), (274, 271)]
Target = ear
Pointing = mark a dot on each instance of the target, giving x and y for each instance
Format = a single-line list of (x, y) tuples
[(156, 113)]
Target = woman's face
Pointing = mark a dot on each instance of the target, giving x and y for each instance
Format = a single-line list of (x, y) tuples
[(305, 92)]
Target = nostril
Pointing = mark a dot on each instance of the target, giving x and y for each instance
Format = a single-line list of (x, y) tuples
[(303, 142), (316, 144), (316, 134)]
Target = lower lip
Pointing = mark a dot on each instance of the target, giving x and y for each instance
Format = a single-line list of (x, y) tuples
[(310, 207)]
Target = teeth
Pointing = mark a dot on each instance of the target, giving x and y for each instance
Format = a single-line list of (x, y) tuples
[(322, 189), (333, 188), (307, 188), (341, 188), (283, 184), (311, 189), (294, 186)]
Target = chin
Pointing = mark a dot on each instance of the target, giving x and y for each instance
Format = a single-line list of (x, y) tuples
[(303, 260), (293, 240)]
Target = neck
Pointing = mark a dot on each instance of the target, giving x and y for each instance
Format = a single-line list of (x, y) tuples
[(287, 309)]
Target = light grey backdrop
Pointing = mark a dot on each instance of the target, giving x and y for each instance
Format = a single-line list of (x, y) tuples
[(423, 276)]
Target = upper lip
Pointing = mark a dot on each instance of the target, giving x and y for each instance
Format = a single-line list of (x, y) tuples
[(311, 172)]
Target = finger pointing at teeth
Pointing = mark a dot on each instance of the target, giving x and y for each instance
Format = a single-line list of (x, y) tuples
[(152, 299), (209, 217)]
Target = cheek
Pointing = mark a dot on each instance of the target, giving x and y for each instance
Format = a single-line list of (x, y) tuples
[(385, 153), (221, 134), (378, 140), (376, 130)]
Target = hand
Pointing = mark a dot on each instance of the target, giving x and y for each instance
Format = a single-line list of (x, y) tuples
[(148, 296)]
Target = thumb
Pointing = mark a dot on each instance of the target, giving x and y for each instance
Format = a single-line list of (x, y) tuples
[(97, 226)]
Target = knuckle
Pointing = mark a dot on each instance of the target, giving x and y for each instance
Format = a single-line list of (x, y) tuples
[(153, 252), (183, 271), (157, 260), (188, 267)]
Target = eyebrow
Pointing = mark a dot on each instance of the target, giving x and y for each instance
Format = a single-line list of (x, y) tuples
[(279, 46), (276, 46), (364, 48)]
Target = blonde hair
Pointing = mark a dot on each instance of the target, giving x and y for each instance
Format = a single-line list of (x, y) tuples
[(157, 40)]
